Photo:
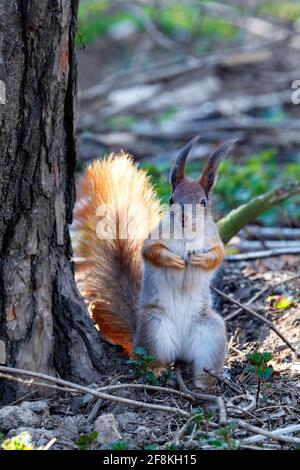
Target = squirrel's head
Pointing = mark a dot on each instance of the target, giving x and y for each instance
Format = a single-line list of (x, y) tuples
[(196, 192)]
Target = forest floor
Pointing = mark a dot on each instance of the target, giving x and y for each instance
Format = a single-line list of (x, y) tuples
[(278, 403), (81, 421)]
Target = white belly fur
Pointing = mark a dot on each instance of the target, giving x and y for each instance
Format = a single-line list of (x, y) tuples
[(183, 332)]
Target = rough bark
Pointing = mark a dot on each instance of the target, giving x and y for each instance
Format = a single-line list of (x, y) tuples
[(43, 321)]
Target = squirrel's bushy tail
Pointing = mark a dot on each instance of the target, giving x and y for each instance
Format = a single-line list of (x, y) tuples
[(115, 212)]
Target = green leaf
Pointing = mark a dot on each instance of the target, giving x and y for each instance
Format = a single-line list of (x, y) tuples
[(85, 440), (151, 447), (140, 351), (215, 443), (198, 414), (251, 369), (150, 378), (171, 446), (119, 445), (266, 373), (258, 358)]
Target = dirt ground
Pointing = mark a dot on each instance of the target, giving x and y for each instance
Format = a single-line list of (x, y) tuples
[(69, 420)]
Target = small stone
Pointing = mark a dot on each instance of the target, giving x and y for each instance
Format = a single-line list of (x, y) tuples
[(73, 425), (39, 407), (107, 428), (12, 417), (143, 433), (129, 418)]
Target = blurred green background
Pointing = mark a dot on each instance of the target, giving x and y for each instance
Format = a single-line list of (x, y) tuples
[(199, 28)]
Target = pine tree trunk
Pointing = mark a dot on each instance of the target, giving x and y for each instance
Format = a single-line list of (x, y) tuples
[(44, 325)]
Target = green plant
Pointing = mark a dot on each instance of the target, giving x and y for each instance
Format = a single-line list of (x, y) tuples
[(85, 440), (121, 122), (142, 364), (165, 376), (95, 19), (22, 441), (224, 438), (200, 416), (287, 10), (151, 447), (259, 367), (171, 446), (119, 445)]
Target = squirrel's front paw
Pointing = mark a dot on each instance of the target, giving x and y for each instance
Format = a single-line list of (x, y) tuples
[(177, 262), (201, 260)]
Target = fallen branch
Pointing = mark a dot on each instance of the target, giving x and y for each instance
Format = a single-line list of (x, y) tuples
[(272, 233), (242, 409), (212, 398), (257, 26), (251, 301), (263, 254), (269, 434), (256, 315), (278, 432), (9, 372), (232, 223), (153, 388), (248, 246), (181, 130), (169, 70)]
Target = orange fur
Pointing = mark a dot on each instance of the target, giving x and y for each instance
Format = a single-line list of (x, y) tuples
[(161, 256), (210, 260), (108, 271)]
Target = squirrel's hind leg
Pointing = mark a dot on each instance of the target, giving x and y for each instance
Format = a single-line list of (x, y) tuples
[(180, 382), (203, 380), (209, 349)]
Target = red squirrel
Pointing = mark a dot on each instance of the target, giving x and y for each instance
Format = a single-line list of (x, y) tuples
[(152, 288)]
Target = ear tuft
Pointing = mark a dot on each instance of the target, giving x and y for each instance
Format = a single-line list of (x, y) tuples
[(177, 173), (208, 177)]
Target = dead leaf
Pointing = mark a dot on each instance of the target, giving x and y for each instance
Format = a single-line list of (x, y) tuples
[(280, 302)]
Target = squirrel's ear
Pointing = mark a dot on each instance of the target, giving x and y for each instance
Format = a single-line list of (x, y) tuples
[(177, 173), (208, 176)]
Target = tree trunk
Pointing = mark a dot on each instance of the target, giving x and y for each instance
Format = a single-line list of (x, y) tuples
[(44, 325)]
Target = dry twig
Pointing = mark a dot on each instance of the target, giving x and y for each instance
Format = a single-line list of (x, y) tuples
[(9, 372), (271, 434), (295, 250), (256, 315)]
